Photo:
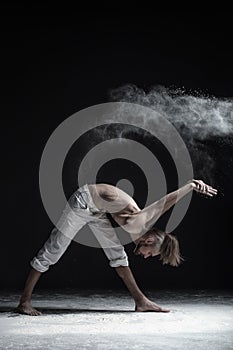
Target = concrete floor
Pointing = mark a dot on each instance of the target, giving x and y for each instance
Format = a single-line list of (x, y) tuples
[(106, 320)]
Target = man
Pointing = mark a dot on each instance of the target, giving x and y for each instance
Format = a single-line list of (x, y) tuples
[(90, 204)]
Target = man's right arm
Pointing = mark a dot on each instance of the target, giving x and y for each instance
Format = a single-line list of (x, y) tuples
[(146, 218)]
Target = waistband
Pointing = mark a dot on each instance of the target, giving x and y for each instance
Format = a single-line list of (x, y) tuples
[(84, 190)]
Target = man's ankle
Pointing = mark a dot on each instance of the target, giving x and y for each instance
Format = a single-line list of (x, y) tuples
[(140, 300), (24, 301)]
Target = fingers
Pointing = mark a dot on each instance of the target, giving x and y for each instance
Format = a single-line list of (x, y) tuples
[(212, 191), (209, 191), (204, 188), (199, 185)]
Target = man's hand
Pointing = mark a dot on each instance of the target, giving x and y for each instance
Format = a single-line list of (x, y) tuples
[(201, 187), (147, 305)]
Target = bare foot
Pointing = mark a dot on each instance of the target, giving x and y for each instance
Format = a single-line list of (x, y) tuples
[(26, 309), (150, 306)]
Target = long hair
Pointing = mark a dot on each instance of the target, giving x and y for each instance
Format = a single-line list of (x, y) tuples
[(168, 247)]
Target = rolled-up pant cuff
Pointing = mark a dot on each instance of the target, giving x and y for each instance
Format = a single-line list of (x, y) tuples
[(41, 266), (119, 262)]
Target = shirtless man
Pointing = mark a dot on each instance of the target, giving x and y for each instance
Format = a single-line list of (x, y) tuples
[(92, 202)]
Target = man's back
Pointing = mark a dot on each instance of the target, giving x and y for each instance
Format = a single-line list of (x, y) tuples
[(113, 200)]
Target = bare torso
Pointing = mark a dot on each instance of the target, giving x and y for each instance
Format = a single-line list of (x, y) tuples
[(115, 201)]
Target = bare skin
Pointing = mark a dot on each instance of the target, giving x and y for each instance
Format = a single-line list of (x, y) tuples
[(113, 200), (27, 309), (25, 306), (127, 214), (142, 303)]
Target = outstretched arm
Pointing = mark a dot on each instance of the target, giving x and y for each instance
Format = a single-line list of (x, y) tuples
[(146, 218), (142, 303)]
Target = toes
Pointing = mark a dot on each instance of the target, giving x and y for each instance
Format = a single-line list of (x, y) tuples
[(35, 313), (163, 310), (166, 310)]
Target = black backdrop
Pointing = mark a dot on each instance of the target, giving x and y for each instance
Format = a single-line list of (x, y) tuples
[(54, 66)]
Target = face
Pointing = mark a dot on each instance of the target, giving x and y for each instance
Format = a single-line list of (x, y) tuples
[(146, 247), (146, 251)]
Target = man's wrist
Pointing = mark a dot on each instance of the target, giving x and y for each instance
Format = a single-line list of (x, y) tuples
[(191, 183)]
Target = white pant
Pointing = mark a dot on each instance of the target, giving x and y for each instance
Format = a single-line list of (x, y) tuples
[(79, 211)]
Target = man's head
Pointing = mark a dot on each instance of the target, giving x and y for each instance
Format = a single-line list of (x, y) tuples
[(156, 242)]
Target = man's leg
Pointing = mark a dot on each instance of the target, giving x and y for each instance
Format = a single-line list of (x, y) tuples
[(48, 255), (25, 300), (69, 224), (106, 236), (142, 303)]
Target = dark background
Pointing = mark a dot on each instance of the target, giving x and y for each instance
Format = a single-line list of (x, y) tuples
[(53, 67)]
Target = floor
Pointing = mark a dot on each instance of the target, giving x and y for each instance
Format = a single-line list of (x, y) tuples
[(106, 320)]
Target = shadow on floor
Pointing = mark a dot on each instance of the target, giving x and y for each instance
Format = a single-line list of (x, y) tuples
[(59, 311)]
